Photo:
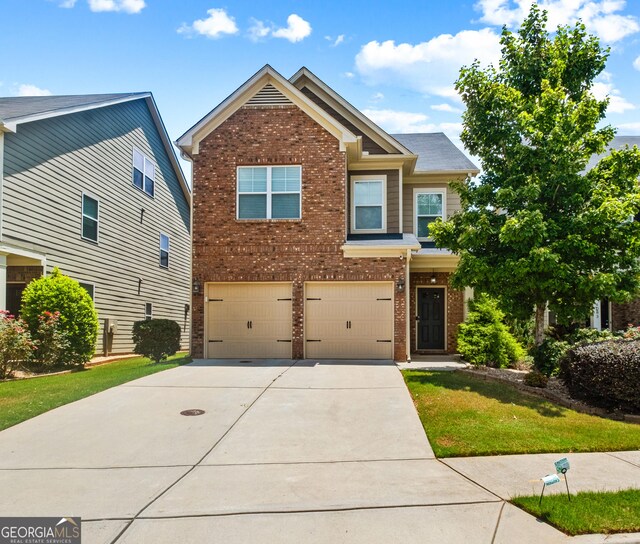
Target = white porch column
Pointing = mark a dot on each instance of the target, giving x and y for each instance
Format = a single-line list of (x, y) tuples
[(596, 318), (407, 300), (3, 282)]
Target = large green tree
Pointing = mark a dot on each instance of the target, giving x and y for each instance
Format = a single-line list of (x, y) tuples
[(536, 230)]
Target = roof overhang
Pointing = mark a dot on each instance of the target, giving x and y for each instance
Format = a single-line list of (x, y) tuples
[(382, 248), (304, 77), (11, 125), (190, 140), (433, 261)]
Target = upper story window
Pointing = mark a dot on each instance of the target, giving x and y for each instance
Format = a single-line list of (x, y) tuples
[(368, 208), (144, 173), (90, 217), (164, 250), (428, 205), (269, 192)]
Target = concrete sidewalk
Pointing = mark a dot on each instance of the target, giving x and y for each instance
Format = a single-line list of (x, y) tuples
[(318, 452)]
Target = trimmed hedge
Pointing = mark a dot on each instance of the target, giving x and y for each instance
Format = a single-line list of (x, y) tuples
[(484, 339), (547, 356), (605, 374), (156, 339)]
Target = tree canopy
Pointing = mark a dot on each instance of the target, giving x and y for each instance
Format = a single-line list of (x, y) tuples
[(536, 229)]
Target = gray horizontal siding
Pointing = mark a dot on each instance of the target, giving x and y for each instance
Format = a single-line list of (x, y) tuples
[(49, 163)]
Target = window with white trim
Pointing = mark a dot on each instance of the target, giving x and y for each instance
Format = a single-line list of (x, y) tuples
[(269, 192), (90, 217), (164, 250), (429, 206), (148, 311), (368, 208), (144, 173)]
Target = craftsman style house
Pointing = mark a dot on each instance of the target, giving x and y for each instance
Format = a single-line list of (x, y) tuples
[(91, 184), (311, 228)]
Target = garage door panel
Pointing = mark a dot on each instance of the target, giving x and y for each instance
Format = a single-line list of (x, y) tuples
[(249, 320), (349, 320)]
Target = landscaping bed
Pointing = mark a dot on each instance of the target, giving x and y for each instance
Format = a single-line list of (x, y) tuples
[(588, 512), (467, 415)]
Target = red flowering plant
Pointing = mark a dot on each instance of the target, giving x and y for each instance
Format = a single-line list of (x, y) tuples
[(632, 332), (51, 342), (15, 343)]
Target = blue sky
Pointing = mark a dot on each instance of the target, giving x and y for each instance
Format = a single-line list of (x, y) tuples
[(396, 61)]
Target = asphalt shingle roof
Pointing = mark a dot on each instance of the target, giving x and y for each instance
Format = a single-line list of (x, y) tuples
[(617, 143), (435, 152), (16, 107)]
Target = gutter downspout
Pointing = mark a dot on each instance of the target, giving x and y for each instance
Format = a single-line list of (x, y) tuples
[(407, 293)]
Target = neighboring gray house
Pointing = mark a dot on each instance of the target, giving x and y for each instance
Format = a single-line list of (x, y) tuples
[(91, 184)]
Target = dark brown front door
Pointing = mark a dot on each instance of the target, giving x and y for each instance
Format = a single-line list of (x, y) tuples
[(14, 297), (430, 317)]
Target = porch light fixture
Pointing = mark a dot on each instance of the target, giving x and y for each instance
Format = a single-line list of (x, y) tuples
[(196, 286), (433, 279), (400, 285)]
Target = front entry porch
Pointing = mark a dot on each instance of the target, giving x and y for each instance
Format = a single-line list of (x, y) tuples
[(17, 269)]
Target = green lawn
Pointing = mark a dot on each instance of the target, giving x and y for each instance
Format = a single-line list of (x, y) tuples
[(465, 416), (23, 399), (610, 512)]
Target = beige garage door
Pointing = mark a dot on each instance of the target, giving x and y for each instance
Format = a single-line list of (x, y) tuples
[(249, 320), (349, 320)]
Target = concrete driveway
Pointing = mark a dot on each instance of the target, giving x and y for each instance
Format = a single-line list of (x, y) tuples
[(285, 452)]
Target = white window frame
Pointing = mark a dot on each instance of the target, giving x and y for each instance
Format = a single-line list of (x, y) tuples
[(426, 191), (148, 316), (269, 193), (168, 250), (97, 219), (145, 158), (375, 177), (93, 288)]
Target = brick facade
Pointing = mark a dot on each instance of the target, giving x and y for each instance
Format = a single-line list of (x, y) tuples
[(623, 315), (226, 249), (454, 310)]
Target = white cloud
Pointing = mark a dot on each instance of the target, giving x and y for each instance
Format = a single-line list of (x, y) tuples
[(215, 25), (67, 3), (258, 30), (297, 29), (26, 89), (432, 66), (376, 97), (599, 16), (636, 64), (446, 107), (617, 103), (335, 42), (126, 6), (349, 75), (629, 129)]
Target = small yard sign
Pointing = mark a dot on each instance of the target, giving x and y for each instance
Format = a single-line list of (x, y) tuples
[(562, 465)]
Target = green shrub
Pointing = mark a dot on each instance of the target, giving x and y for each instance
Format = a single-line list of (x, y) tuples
[(547, 356), (78, 318), (605, 374), (15, 343), (536, 379), (51, 342), (484, 339), (156, 338)]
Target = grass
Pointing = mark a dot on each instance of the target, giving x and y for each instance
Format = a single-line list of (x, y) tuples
[(464, 416), (588, 512), (23, 399)]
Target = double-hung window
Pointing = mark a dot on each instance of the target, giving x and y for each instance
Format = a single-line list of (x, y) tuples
[(429, 205), (144, 173), (368, 213), (148, 311), (164, 250), (90, 218), (269, 192)]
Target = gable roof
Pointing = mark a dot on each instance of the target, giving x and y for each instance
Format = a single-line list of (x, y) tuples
[(24, 109), (436, 153), (617, 143), (355, 113), (190, 140)]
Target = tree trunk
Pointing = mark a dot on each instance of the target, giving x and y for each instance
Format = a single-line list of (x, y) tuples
[(539, 335)]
